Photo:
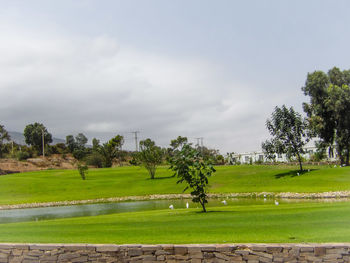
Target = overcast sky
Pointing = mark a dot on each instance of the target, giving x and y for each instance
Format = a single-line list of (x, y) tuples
[(211, 69)]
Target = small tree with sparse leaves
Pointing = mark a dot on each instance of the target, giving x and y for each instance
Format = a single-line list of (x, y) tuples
[(190, 167), (83, 170)]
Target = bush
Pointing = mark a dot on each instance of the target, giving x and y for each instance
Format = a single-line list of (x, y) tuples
[(79, 154), (21, 156), (82, 170), (94, 159)]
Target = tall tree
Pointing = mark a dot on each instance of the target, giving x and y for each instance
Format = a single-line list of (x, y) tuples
[(288, 131), (150, 156), (4, 136), (328, 109), (70, 142), (33, 134), (81, 140)]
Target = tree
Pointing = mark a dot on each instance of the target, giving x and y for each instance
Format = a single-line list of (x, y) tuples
[(70, 142), (33, 134), (328, 109), (83, 170), (81, 140), (4, 136), (190, 167), (150, 156), (111, 150), (288, 130)]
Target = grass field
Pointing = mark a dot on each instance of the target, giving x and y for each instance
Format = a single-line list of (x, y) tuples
[(300, 222), (59, 185)]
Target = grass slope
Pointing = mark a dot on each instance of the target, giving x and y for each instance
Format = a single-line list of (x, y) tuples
[(301, 222), (59, 185)]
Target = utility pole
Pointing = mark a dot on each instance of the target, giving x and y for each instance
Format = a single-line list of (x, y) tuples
[(198, 141), (135, 136), (43, 141)]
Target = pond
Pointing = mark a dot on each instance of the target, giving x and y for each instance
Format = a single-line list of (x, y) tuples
[(43, 213)]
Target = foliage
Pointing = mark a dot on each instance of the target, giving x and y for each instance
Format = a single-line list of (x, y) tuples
[(33, 134), (190, 167), (4, 136), (58, 148), (21, 156), (83, 170), (77, 145), (288, 130), (70, 142), (328, 109), (94, 159), (134, 160), (95, 144), (111, 150), (150, 156)]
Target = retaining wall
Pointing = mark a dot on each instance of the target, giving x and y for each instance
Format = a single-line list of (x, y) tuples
[(250, 253)]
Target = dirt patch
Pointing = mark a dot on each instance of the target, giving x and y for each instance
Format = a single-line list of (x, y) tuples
[(35, 164)]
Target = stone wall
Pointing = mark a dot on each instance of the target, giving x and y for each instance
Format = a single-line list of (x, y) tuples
[(249, 253)]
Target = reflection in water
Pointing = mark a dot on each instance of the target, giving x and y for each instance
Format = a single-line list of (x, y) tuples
[(36, 214)]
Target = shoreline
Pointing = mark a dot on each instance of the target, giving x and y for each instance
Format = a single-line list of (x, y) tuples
[(283, 195)]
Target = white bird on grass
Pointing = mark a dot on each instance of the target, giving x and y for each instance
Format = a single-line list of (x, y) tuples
[(187, 205), (171, 207), (276, 203), (298, 174), (224, 202)]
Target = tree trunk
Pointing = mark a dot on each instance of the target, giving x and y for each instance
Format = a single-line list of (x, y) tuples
[(203, 206), (300, 164), (347, 157)]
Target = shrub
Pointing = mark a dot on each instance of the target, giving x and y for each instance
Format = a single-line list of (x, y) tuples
[(21, 156), (94, 159), (82, 170)]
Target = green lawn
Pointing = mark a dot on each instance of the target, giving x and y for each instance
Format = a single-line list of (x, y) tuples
[(299, 222), (59, 185)]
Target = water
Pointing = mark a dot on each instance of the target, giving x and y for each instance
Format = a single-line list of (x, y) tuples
[(44, 213)]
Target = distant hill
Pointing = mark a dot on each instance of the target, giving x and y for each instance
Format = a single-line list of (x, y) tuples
[(18, 138)]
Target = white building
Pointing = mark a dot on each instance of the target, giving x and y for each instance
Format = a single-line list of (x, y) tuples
[(259, 156)]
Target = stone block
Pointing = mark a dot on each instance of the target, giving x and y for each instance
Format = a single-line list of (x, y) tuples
[(306, 249), (208, 248), (109, 248), (262, 254), (134, 252), (80, 259), (272, 249), (160, 258), (180, 250), (67, 256), (197, 255)]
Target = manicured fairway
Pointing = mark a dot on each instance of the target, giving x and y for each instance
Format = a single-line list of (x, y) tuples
[(301, 222), (59, 185)]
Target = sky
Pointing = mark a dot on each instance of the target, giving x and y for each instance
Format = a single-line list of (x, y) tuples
[(195, 68)]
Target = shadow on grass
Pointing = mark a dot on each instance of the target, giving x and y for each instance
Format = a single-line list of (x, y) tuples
[(160, 178), (293, 173), (214, 211)]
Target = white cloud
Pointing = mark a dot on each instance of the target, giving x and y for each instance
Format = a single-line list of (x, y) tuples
[(99, 87)]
